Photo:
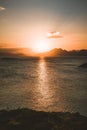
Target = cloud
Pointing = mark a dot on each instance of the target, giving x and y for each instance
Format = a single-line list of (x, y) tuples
[(2, 8), (54, 35)]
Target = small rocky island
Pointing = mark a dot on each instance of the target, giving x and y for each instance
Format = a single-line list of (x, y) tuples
[(26, 119), (84, 65)]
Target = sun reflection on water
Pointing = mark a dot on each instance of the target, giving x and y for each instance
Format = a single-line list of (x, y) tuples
[(45, 94)]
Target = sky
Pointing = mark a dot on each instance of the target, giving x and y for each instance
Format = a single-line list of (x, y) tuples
[(25, 23)]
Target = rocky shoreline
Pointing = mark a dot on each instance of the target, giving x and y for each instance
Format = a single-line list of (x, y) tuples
[(84, 65), (26, 119)]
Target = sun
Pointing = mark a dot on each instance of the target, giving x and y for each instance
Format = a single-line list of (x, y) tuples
[(41, 46)]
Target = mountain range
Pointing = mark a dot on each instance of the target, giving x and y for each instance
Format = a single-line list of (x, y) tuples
[(56, 52)]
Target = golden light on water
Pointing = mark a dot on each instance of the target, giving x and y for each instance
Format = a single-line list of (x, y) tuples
[(44, 92), (43, 88)]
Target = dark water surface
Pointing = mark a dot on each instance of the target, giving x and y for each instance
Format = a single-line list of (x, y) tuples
[(53, 84)]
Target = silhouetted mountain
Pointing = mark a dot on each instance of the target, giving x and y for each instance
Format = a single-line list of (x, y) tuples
[(60, 52), (6, 52), (57, 52), (24, 52), (15, 52)]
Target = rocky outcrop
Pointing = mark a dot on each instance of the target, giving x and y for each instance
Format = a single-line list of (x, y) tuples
[(83, 65), (25, 119)]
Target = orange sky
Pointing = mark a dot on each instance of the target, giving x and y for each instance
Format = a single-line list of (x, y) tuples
[(27, 27)]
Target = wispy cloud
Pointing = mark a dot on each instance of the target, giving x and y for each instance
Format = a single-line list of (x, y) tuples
[(54, 35), (2, 8)]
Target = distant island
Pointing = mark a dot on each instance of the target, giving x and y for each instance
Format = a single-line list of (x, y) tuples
[(25, 52), (57, 52)]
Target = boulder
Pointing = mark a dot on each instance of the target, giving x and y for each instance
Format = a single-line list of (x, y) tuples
[(83, 65)]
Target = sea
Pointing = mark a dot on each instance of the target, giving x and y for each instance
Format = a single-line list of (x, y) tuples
[(44, 84)]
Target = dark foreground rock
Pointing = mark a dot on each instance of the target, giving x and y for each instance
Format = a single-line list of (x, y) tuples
[(83, 65), (25, 119)]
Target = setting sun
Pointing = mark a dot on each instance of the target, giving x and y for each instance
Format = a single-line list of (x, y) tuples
[(41, 46), (43, 64)]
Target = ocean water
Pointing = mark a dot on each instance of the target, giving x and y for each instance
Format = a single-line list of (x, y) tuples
[(52, 84)]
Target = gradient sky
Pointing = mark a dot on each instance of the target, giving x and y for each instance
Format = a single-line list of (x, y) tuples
[(24, 23)]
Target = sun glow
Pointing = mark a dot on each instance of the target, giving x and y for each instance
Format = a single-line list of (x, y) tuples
[(41, 46)]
